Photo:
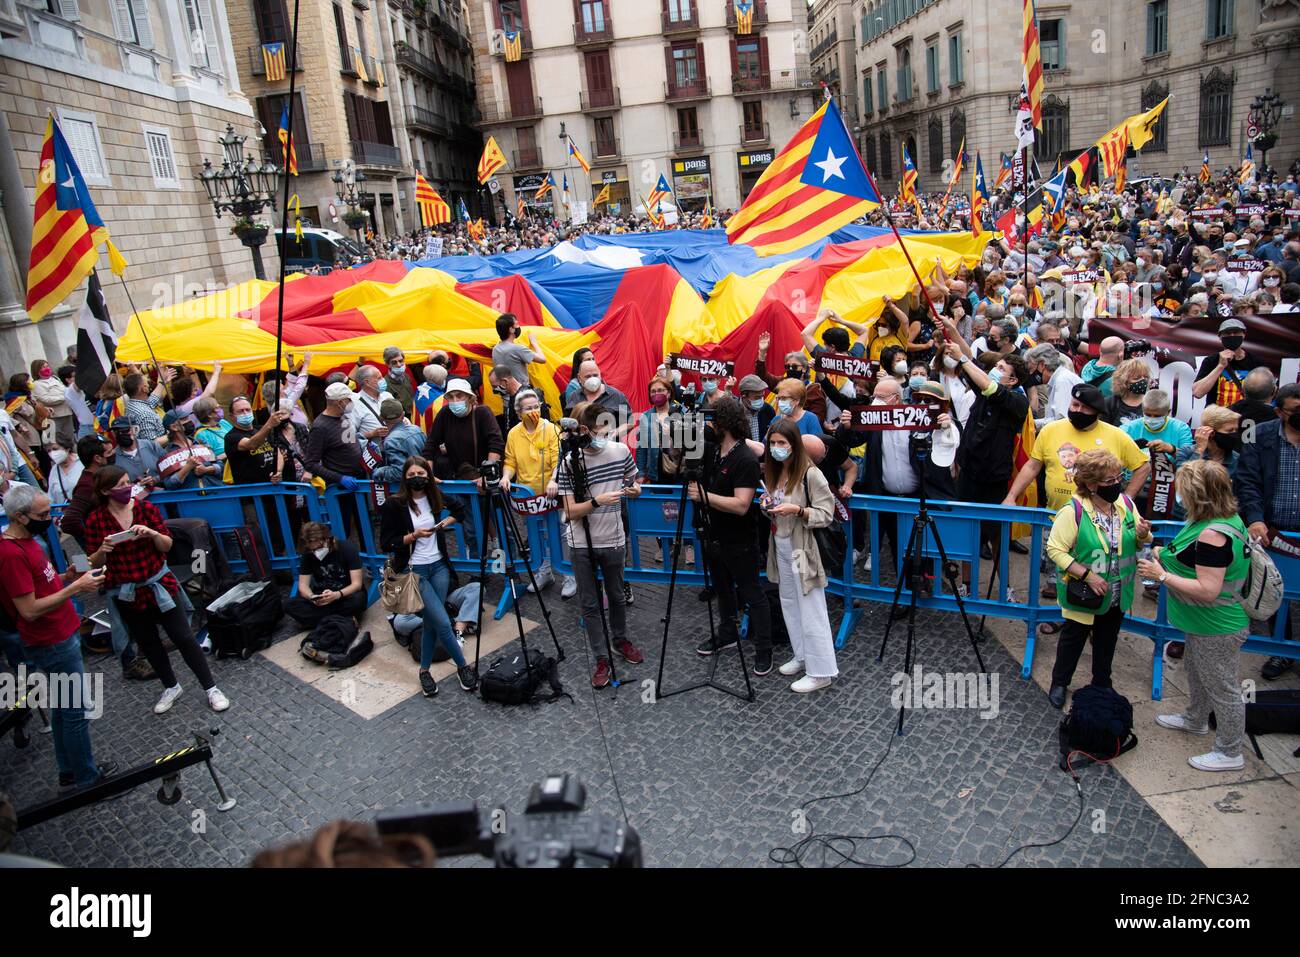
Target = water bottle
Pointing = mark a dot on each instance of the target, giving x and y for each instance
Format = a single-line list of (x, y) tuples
[(1147, 554)]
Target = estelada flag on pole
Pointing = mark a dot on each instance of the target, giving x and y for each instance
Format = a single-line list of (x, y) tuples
[(602, 196), (286, 142), (816, 185), (979, 197), (491, 161), (273, 61), (434, 210), (66, 228), (577, 154)]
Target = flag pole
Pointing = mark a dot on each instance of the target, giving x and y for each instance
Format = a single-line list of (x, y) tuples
[(1024, 212), (143, 332), (284, 215)]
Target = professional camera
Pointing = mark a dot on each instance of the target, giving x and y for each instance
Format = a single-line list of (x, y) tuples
[(554, 830), (571, 438), (491, 472), (689, 398), (1137, 347)]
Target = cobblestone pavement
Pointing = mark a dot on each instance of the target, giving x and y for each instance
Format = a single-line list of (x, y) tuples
[(706, 779)]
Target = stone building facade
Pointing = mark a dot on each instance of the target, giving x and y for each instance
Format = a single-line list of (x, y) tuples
[(142, 91), (832, 38), (930, 70)]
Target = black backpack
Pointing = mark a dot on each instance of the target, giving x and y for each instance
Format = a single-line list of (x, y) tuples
[(1272, 712), (335, 642), (1098, 728), (244, 620), (509, 680)]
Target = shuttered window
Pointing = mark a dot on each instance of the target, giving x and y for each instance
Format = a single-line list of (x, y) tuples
[(161, 161), (131, 20)]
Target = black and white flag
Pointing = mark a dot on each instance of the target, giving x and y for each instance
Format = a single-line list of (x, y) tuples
[(96, 341)]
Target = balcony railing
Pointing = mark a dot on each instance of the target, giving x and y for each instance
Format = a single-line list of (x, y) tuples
[(752, 135), (509, 112), (376, 154), (525, 43), (311, 157), (600, 99), (257, 65), (605, 149), (752, 83), (372, 70), (426, 119), (595, 36), (687, 142), (760, 13), (686, 24), (411, 58), (528, 158), (699, 90)]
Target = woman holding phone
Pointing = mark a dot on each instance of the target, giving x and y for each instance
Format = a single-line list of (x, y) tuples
[(330, 579), (126, 535), (412, 532)]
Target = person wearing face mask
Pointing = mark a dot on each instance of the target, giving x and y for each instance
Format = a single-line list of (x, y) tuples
[(39, 602), (1094, 539), (50, 391), (574, 389), (139, 582), (464, 435), (1159, 432), (658, 461), (1131, 381), (595, 389), (796, 366), (509, 354), (401, 385), (65, 471), (889, 330), (331, 580), (790, 396), (1220, 376), (213, 428), (753, 393), (403, 441), (186, 463), (372, 389), (959, 391), (532, 459), (1054, 378), (918, 374), (1217, 439)]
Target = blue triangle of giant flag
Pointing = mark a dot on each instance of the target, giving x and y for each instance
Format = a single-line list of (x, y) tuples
[(662, 186), (1054, 189), (70, 190), (980, 186), (833, 162)]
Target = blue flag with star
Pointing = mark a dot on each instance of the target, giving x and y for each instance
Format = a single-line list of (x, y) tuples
[(833, 162)]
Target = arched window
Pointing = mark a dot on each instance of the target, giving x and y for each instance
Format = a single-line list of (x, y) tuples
[(886, 156), (1151, 97), (936, 144), (1215, 127), (1055, 137), (956, 130)]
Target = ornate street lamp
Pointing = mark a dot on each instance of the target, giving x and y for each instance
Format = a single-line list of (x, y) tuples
[(346, 182), (244, 188), (1265, 111)]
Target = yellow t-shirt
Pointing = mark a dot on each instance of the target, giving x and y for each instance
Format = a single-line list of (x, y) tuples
[(1060, 444), (533, 457), (880, 343)]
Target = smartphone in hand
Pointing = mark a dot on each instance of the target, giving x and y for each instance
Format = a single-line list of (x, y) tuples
[(80, 564)]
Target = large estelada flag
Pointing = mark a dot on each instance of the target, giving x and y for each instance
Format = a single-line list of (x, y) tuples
[(979, 197), (1033, 61), (286, 143), (66, 228), (577, 154), (816, 185), (434, 210), (491, 161), (273, 61)]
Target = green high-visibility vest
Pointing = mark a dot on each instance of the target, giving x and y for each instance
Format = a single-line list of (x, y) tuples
[(1220, 616), (1092, 551)]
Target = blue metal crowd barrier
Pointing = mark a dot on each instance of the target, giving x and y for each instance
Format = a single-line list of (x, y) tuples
[(652, 520)]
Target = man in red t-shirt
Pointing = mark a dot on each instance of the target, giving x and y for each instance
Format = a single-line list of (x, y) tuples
[(37, 599)]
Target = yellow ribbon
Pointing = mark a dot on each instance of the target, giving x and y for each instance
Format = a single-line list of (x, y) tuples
[(295, 207)]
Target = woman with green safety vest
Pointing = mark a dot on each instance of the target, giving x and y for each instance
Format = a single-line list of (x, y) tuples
[(1203, 569), (1095, 541)]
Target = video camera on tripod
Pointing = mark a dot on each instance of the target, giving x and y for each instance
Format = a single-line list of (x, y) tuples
[(554, 831)]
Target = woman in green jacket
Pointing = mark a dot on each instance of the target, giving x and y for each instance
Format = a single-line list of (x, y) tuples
[(1095, 539), (1203, 569)]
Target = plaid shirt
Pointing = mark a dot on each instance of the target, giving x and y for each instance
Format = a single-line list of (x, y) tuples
[(1286, 502), (143, 414), (133, 561)]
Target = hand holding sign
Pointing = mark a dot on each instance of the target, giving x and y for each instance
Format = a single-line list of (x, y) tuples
[(894, 418)]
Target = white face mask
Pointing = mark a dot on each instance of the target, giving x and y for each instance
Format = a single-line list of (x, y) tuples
[(320, 553), (591, 383), (950, 363), (58, 456)]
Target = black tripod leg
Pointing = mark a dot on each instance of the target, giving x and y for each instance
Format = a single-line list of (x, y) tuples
[(672, 589), (898, 590), (912, 562), (951, 572), (482, 584), (522, 550)]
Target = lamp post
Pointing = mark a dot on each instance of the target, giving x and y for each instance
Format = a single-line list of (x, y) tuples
[(1265, 111), (346, 182), (244, 188)]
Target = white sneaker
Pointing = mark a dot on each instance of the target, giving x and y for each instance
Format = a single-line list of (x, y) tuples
[(857, 555), (809, 683), (866, 566), (217, 701), (168, 698), (963, 590), (1012, 597), (1179, 722), (543, 581), (1215, 761), (569, 589), (791, 667)]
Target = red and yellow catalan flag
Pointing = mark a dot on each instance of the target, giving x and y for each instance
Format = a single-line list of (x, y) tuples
[(434, 210), (66, 229), (577, 154), (491, 160), (979, 197), (273, 60), (512, 44), (286, 143), (1033, 64), (816, 185)]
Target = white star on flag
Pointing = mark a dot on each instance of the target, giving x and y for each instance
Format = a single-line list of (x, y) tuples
[(831, 165)]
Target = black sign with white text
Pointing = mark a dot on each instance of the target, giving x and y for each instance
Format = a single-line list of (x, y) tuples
[(893, 418), (851, 366), (706, 368)]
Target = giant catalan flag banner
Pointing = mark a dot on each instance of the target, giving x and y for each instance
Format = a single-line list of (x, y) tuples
[(632, 298)]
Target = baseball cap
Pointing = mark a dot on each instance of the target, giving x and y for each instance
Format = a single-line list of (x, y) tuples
[(752, 383), (172, 417), (337, 391), (120, 424), (459, 385), (1231, 325), (1089, 395), (390, 409)]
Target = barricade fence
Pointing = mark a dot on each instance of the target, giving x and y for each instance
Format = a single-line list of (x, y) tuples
[(277, 511)]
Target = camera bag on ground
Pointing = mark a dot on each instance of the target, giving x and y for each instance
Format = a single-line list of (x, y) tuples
[(1272, 712), (244, 619), (509, 680), (335, 642), (196, 561), (1099, 727)]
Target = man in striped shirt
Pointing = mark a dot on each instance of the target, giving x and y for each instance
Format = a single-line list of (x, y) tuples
[(596, 511)]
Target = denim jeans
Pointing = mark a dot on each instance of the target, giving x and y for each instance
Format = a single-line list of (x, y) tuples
[(12, 647), (464, 600), (70, 726), (610, 563), (435, 580)]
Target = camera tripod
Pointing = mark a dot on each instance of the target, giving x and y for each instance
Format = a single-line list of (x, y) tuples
[(704, 530), (913, 572), (495, 506)]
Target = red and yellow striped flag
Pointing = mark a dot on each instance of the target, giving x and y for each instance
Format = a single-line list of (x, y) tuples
[(1033, 60), (434, 210), (816, 185), (491, 161)]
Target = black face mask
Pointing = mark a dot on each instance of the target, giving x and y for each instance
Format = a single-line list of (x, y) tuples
[(794, 372), (417, 483), (1109, 493), (1062, 347), (36, 527), (1232, 342), (1083, 420), (1228, 441), (124, 440), (1035, 378), (189, 430), (1140, 387)]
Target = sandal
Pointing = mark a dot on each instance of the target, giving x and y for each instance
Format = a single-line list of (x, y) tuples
[(1051, 627)]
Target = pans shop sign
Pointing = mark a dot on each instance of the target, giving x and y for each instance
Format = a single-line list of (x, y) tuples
[(756, 160), (692, 180)]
